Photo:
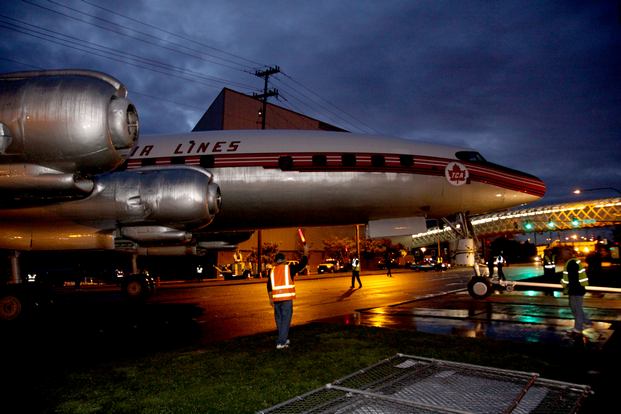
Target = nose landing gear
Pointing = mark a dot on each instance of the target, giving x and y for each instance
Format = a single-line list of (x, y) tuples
[(480, 287)]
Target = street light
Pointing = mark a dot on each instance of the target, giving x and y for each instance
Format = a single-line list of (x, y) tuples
[(579, 191)]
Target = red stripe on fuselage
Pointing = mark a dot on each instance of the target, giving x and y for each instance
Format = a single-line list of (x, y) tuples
[(423, 165)]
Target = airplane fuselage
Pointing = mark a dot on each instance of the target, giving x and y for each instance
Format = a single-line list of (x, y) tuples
[(292, 178), (271, 179)]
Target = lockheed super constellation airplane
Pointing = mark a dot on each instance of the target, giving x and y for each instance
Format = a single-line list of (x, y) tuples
[(74, 175)]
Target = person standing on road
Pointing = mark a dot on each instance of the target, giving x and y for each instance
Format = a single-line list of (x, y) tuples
[(387, 262), (490, 266), (499, 262), (281, 291), (355, 272), (549, 264), (480, 268), (574, 281)]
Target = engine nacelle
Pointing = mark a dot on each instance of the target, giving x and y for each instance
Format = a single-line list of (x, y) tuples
[(177, 197), (72, 121)]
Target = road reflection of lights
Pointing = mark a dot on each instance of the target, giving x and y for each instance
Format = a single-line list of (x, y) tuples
[(378, 320), (530, 319)]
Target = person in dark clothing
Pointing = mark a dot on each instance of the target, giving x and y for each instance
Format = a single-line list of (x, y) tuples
[(574, 282), (549, 264), (500, 260), (281, 291), (355, 272), (387, 263), (490, 266)]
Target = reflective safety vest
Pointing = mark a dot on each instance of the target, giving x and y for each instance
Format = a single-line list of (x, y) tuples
[(583, 279), (283, 287), (355, 264), (549, 262)]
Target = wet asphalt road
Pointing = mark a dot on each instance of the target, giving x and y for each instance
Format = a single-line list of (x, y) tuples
[(192, 313), (229, 310), (215, 310)]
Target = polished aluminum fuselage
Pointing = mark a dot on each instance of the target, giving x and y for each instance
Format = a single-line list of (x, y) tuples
[(286, 178), (257, 192)]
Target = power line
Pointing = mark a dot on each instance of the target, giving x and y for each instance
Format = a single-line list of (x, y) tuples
[(161, 67), (311, 111), (308, 102), (195, 54), (133, 92), (109, 53), (172, 33), (159, 98), (330, 103), (22, 63)]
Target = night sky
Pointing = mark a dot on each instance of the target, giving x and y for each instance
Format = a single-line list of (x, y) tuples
[(532, 85)]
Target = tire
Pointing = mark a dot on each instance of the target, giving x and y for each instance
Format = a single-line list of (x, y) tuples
[(479, 287), (137, 287), (11, 306), (22, 301)]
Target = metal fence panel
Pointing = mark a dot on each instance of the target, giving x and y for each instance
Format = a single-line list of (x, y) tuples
[(410, 384)]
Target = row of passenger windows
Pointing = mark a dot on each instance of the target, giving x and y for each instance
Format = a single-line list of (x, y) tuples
[(286, 162), (206, 161)]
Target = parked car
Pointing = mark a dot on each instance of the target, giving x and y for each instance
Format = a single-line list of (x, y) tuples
[(329, 266), (427, 265)]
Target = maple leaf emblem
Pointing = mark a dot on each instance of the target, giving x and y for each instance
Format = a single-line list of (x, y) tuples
[(456, 173)]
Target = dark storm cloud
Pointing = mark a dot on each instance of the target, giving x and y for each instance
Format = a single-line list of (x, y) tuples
[(532, 85)]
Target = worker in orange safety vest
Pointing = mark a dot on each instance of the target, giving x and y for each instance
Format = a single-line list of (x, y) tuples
[(281, 291)]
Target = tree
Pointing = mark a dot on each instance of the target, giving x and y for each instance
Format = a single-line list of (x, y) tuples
[(269, 251), (339, 248)]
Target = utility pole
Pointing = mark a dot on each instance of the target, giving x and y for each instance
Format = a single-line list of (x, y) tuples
[(265, 74)]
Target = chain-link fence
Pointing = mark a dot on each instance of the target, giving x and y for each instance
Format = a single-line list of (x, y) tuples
[(410, 384)]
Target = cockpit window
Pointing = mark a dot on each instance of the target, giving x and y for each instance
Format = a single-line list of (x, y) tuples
[(470, 156)]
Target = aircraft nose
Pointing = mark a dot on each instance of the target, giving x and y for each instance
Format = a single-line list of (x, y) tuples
[(522, 185), (534, 186)]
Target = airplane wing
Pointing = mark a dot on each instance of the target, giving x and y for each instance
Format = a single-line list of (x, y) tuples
[(62, 136), (57, 129)]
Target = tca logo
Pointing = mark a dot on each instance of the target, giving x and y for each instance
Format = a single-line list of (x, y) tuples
[(456, 173)]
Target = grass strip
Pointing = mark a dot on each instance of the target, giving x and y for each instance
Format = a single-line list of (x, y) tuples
[(248, 374)]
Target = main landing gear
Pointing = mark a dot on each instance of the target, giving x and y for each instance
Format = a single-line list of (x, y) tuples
[(138, 286), (19, 301)]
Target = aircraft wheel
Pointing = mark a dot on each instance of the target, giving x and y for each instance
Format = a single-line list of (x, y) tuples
[(479, 287), (137, 287), (11, 306)]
